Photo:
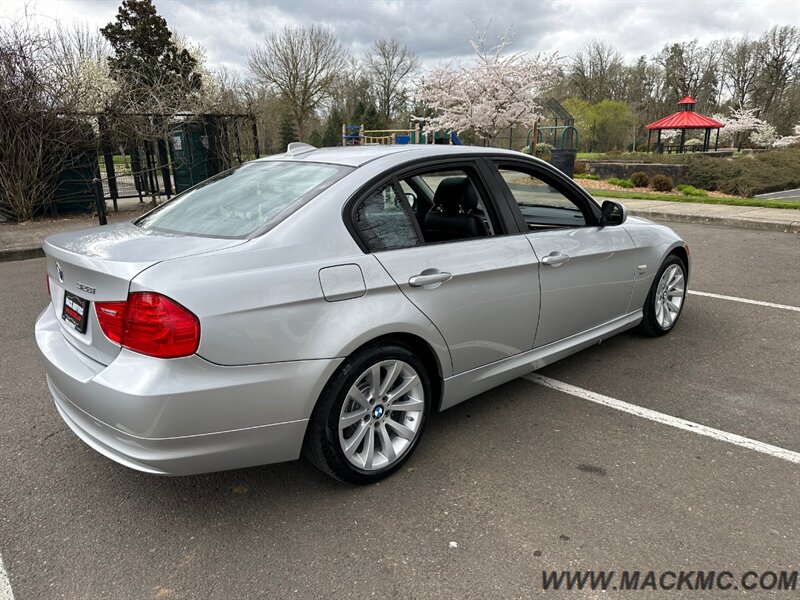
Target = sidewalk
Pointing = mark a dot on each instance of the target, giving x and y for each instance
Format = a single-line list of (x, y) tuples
[(774, 219), (24, 240), (20, 241)]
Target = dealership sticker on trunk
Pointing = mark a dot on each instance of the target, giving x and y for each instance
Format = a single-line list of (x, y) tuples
[(75, 311)]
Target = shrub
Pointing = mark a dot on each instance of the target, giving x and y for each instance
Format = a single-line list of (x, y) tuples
[(690, 190), (760, 173), (626, 183), (693, 142), (738, 186), (544, 151), (661, 183), (640, 179), (580, 167)]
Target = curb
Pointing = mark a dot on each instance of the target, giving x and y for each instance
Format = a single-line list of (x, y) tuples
[(21, 253), (793, 227)]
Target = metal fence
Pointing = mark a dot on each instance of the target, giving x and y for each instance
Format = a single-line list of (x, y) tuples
[(135, 167)]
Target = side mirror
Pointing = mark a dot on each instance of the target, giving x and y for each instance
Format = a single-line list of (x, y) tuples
[(614, 213), (411, 199)]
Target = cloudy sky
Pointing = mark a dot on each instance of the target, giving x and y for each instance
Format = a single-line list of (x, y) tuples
[(437, 31)]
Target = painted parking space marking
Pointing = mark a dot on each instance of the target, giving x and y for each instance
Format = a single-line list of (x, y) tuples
[(745, 300), (5, 584), (664, 419)]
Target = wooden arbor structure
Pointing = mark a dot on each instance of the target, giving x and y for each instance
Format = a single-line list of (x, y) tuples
[(685, 118)]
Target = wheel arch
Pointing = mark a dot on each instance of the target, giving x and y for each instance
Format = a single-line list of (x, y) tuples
[(681, 251), (414, 343)]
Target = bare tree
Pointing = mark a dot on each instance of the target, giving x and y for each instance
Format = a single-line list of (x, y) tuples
[(741, 61), (390, 66), (69, 48), (780, 50), (597, 72), (38, 140), (691, 69), (301, 63), (352, 88)]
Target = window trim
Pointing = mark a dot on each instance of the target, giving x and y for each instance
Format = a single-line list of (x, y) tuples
[(356, 231), (493, 196), (550, 176)]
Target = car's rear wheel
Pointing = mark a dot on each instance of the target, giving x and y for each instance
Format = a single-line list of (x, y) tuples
[(666, 298), (370, 416)]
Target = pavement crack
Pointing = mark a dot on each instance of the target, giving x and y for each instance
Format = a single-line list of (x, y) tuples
[(56, 432)]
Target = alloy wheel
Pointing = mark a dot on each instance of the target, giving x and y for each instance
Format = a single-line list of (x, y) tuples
[(669, 296), (381, 415)]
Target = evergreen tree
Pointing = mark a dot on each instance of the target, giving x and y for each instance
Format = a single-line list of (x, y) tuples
[(288, 134), (146, 58), (333, 129), (315, 139)]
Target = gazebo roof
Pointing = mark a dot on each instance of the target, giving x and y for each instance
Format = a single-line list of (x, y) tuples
[(685, 120), (687, 100)]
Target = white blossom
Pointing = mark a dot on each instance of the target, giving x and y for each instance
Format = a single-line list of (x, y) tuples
[(764, 135), (670, 135), (94, 84), (742, 120), (495, 92), (786, 141)]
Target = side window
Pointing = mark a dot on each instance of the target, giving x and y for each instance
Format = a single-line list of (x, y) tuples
[(543, 206), (383, 221), (455, 209)]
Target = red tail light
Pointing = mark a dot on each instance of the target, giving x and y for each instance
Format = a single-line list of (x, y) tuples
[(150, 324)]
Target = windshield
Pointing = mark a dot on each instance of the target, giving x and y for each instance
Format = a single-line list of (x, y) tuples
[(239, 202)]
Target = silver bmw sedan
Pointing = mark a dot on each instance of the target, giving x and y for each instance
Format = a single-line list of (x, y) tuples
[(325, 301)]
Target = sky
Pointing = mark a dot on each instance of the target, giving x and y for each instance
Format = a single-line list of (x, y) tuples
[(438, 31)]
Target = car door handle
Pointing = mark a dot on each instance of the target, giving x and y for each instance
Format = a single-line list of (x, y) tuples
[(555, 259), (424, 279)]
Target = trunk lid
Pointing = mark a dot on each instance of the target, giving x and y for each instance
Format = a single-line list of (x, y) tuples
[(98, 264)]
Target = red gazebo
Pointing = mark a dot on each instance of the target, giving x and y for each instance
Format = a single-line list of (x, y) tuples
[(685, 119)]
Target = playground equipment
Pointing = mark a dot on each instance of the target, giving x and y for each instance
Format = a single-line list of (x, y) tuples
[(565, 146), (356, 135), (353, 135), (564, 141)]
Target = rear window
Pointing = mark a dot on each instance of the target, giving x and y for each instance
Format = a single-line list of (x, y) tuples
[(241, 201)]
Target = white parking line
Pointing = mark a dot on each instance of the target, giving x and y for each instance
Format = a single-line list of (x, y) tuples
[(5, 584), (745, 300), (665, 419)]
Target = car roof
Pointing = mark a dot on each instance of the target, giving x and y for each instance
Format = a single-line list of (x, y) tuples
[(356, 156)]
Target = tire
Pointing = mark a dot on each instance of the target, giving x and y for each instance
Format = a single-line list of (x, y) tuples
[(666, 298), (370, 416)]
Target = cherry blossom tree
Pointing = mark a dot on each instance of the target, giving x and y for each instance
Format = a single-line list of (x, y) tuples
[(98, 88), (764, 135), (493, 93), (670, 135), (788, 140), (740, 121)]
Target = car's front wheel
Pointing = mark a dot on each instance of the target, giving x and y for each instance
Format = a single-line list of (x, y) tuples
[(370, 416), (665, 300)]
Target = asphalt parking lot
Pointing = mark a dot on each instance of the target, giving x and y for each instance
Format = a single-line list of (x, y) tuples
[(519, 480)]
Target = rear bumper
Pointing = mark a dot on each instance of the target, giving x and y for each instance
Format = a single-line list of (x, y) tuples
[(181, 416)]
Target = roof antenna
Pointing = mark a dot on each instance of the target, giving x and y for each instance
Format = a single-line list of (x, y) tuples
[(298, 148)]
